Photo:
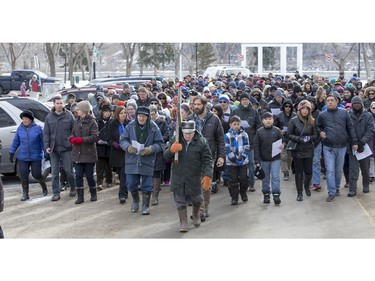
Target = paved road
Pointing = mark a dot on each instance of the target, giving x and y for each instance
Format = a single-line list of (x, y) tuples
[(313, 218)]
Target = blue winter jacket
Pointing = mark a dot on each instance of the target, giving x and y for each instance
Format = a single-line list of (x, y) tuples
[(29, 140)]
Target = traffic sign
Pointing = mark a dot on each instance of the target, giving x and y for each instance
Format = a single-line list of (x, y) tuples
[(240, 57), (329, 57)]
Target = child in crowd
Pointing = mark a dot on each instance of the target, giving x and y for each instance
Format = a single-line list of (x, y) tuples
[(236, 149), (264, 139)]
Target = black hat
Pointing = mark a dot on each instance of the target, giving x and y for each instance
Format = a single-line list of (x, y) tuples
[(188, 126), (143, 110), (259, 173), (116, 96), (244, 95), (28, 114), (71, 95), (105, 107)]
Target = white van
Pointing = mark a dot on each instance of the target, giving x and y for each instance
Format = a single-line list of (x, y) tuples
[(216, 71)]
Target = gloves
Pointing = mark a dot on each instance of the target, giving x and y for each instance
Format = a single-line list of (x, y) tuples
[(132, 149), (206, 182), (116, 145), (176, 147), (304, 139), (76, 140), (11, 157), (146, 151), (47, 156), (360, 148), (102, 142)]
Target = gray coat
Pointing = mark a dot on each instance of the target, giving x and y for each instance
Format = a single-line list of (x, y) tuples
[(57, 130), (135, 163)]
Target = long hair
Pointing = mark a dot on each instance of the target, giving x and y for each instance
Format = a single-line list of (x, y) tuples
[(308, 120)]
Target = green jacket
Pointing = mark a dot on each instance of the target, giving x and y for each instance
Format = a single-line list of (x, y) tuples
[(194, 162)]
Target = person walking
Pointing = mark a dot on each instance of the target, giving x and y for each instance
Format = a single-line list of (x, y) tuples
[(209, 125), (117, 155), (58, 127), (263, 142), (364, 129), (29, 140), (191, 173), (251, 118), (84, 155), (1, 196), (236, 149), (302, 130), (335, 127), (141, 141)]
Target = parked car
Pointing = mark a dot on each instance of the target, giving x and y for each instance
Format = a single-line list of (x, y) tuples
[(114, 79), (216, 71), (81, 93), (13, 81), (10, 110)]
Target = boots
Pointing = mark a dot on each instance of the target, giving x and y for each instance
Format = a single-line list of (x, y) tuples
[(196, 216), (72, 192), (146, 203), (93, 194), (299, 196), (42, 182), (182, 214), (135, 203), (25, 190), (276, 198), (155, 192), (299, 182), (266, 198), (80, 198), (307, 184)]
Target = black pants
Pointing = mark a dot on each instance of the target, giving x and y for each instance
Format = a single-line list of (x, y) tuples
[(238, 180), (103, 169)]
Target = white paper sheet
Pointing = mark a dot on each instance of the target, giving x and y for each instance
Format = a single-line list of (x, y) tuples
[(138, 146), (276, 147), (366, 152)]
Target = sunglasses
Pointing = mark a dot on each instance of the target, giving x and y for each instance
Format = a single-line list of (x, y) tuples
[(286, 106), (223, 102), (154, 103)]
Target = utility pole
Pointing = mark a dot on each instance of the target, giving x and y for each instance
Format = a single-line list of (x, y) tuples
[(93, 61), (196, 59), (359, 60)]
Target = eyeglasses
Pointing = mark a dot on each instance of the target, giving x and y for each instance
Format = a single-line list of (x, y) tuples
[(223, 102)]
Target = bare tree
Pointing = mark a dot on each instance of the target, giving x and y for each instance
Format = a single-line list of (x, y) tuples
[(224, 50), (129, 51), (342, 54), (51, 51), (13, 51)]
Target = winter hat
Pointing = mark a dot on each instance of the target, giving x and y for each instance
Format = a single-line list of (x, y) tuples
[(84, 106), (206, 89), (279, 92), (100, 96), (116, 96), (99, 88), (188, 127), (241, 85), (256, 92), (232, 84), (304, 103), (27, 113), (348, 105), (340, 89), (143, 110), (134, 97), (224, 98), (215, 93), (357, 99), (254, 100), (244, 95), (105, 107)]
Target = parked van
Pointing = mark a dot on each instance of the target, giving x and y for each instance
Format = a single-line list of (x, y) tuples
[(216, 71)]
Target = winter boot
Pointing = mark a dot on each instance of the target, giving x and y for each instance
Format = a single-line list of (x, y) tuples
[(307, 184), (266, 198), (80, 198), (135, 203), (196, 216), (42, 182), (182, 214), (93, 194), (25, 190), (155, 193), (214, 187), (298, 178), (276, 198), (299, 196), (72, 192), (146, 203)]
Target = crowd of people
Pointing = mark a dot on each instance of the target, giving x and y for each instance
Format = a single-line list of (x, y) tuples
[(232, 128)]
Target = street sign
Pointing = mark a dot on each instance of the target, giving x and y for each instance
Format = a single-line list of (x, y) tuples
[(329, 57), (240, 57)]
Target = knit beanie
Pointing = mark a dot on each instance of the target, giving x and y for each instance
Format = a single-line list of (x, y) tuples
[(244, 95), (84, 106)]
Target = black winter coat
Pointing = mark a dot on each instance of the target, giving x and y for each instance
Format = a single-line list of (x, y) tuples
[(103, 149), (296, 131), (116, 155)]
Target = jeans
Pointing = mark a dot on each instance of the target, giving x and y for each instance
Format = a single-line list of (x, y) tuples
[(316, 164), (84, 169), (66, 160), (24, 169), (334, 158), (132, 181), (272, 175), (251, 167)]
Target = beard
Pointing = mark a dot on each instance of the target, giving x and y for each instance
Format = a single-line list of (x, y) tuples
[(199, 111)]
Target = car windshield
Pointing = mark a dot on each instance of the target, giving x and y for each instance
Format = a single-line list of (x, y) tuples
[(39, 110)]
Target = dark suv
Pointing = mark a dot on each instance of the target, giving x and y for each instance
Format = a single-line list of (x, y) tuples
[(10, 110)]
